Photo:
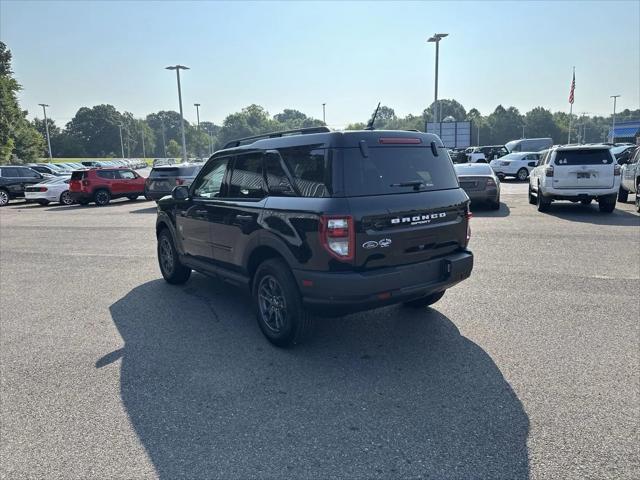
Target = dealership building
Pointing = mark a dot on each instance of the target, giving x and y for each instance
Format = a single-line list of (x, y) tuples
[(626, 132)]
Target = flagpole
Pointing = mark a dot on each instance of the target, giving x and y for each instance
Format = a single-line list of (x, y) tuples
[(571, 108)]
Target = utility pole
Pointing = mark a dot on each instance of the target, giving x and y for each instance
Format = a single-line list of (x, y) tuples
[(46, 127), (197, 105), (324, 118), (436, 39), (164, 142), (177, 68), (523, 131), (144, 154), (121, 143), (613, 127)]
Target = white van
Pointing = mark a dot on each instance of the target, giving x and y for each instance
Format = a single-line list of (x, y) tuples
[(529, 144)]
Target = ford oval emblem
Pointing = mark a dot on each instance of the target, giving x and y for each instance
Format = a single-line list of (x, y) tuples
[(370, 244)]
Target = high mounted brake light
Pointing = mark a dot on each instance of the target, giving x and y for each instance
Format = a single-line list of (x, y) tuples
[(338, 236), (399, 141)]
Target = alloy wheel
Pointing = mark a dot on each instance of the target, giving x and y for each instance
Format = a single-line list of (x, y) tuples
[(166, 256), (4, 198), (272, 304), (66, 199)]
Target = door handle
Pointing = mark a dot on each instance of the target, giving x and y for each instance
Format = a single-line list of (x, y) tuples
[(200, 213), (244, 218)]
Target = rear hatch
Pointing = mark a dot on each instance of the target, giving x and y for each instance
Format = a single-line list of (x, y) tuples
[(163, 179), (586, 168), (75, 184), (406, 205)]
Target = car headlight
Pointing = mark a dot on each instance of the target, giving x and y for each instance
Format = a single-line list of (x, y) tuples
[(505, 164)]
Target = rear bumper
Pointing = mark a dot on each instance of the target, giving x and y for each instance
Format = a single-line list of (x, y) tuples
[(339, 293), (78, 196), (579, 193), (35, 196), (489, 195), (155, 194)]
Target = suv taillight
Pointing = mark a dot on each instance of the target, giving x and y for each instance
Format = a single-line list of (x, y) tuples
[(548, 171), (616, 170), (338, 236)]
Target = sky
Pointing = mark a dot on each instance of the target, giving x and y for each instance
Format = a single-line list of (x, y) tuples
[(349, 55)]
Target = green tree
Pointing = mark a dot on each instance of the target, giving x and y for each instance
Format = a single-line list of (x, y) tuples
[(98, 130), (539, 123), (447, 108), (505, 125), (19, 140), (174, 150)]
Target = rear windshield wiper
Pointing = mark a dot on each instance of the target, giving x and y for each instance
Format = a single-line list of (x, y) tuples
[(416, 184)]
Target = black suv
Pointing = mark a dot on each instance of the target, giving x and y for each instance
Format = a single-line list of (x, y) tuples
[(13, 179), (314, 220)]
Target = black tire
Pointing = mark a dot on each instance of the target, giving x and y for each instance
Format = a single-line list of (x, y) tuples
[(172, 269), (133, 198), (638, 201), (43, 202), (278, 303), (4, 197), (522, 174), (532, 198), (607, 204), (495, 205), (542, 202), (66, 198), (586, 201), (102, 197), (425, 301), (623, 195)]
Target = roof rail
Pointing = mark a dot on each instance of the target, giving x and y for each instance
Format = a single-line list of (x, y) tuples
[(297, 131)]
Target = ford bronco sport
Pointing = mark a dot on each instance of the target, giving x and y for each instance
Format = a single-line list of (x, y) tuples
[(322, 221)]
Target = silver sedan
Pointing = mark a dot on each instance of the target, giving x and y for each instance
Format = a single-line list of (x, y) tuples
[(480, 183)]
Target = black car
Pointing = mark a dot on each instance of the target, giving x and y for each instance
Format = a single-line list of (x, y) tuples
[(13, 179), (163, 178), (314, 220)]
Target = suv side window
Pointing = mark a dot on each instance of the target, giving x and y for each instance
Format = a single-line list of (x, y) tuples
[(107, 174), (209, 183), (246, 177), (28, 173), (277, 180), (9, 172), (127, 175), (310, 169)]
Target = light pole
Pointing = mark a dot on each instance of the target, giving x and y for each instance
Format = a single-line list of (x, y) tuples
[(324, 118), (613, 127), (197, 105), (436, 38), (523, 131), (164, 142), (144, 154), (177, 68), (46, 127), (121, 142), (210, 142), (584, 126)]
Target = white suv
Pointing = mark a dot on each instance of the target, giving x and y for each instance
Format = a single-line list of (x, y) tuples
[(580, 173), (630, 178), (517, 164)]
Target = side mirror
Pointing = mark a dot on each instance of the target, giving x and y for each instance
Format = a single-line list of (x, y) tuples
[(180, 193)]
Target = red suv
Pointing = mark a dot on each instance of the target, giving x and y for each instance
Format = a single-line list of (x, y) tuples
[(103, 184)]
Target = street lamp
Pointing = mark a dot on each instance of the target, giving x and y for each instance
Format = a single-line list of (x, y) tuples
[(613, 127), (436, 39), (523, 130), (164, 141), (46, 126), (177, 68), (197, 105), (144, 154), (121, 142), (324, 119)]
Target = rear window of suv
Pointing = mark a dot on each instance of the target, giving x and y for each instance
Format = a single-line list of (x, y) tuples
[(78, 175), (165, 172), (385, 168), (583, 157)]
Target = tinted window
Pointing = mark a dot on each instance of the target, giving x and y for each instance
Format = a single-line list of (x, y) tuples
[(310, 169), (277, 180), (9, 172), (583, 157), (108, 174), (165, 172), (28, 173), (78, 175), (127, 175), (386, 167), (209, 183), (246, 177)]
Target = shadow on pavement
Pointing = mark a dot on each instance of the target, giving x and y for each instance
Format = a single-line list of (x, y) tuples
[(393, 393), (153, 209), (113, 203), (577, 212), (481, 209)]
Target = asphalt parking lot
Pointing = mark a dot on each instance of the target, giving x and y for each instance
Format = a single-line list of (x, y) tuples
[(530, 369)]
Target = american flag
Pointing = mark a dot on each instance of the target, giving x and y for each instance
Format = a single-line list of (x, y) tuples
[(573, 87)]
